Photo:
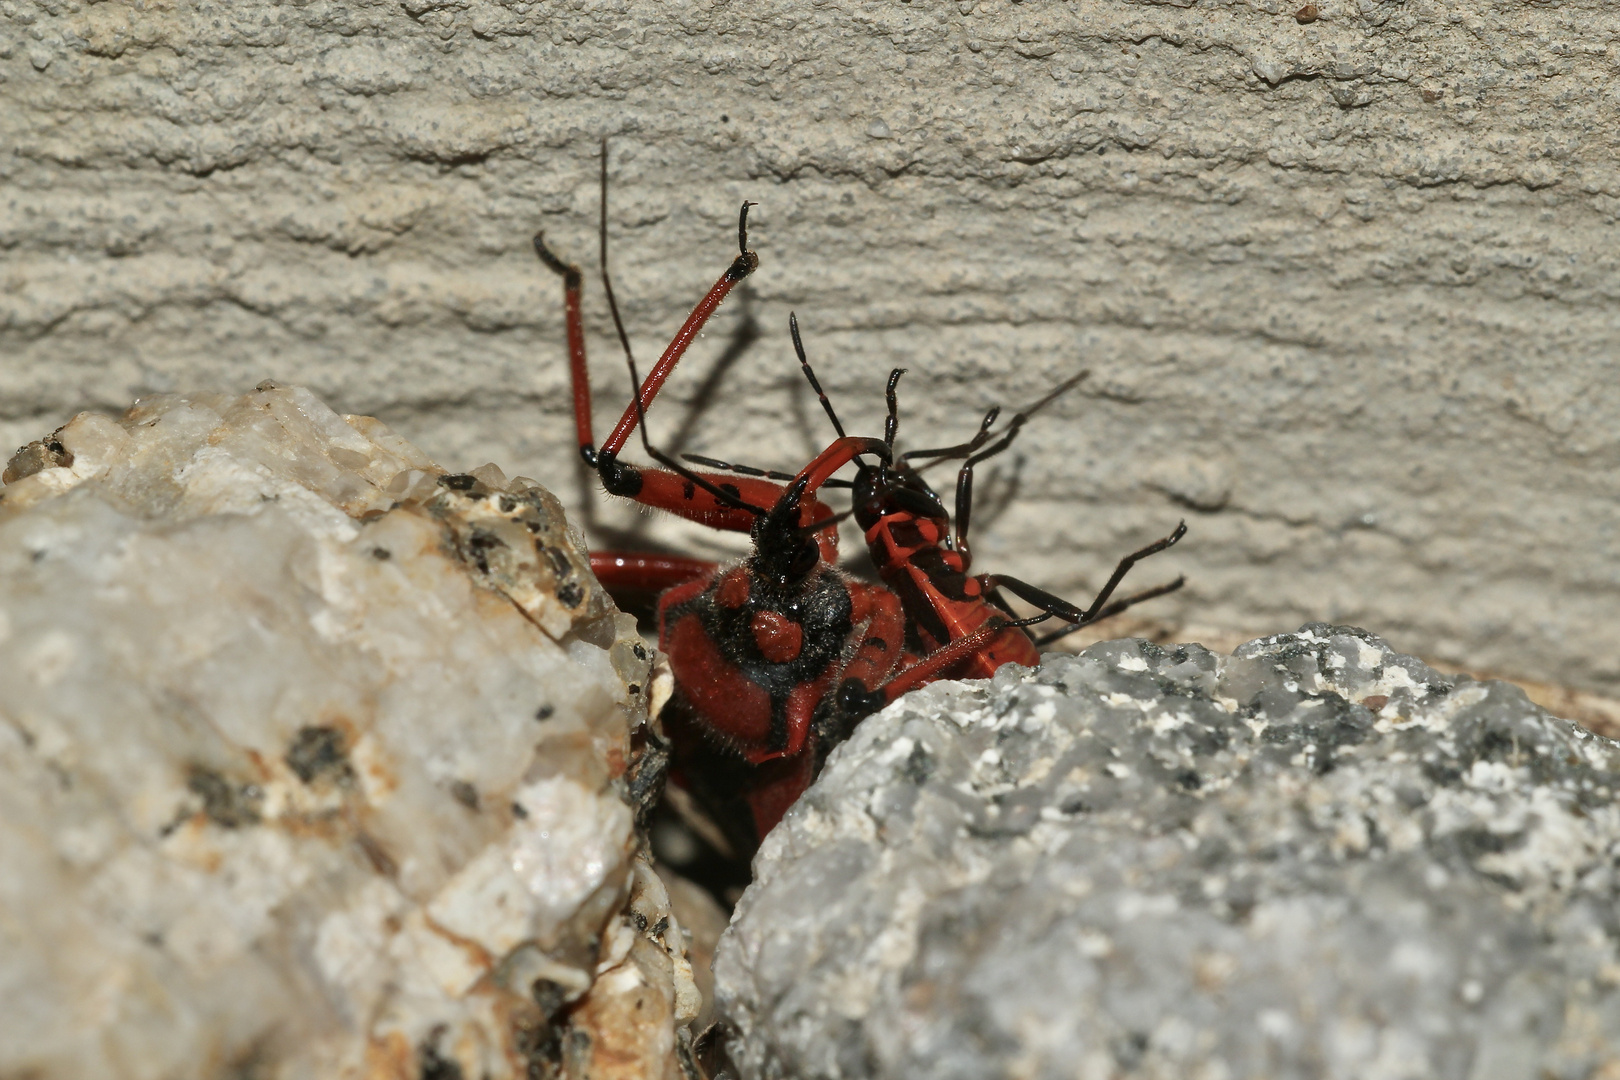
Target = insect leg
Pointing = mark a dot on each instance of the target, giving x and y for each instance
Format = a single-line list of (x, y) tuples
[(933, 666), (1114, 609), (964, 476), (578, 374), (743, 265), (1100, 608), (749, 470), (1053, 605), (646, 571)]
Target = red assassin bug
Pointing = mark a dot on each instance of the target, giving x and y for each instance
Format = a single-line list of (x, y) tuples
[(908, 534), (759, 648), (910, 538), (755, 648)]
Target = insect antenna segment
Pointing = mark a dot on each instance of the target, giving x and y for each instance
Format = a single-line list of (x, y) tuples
[(809, 373)]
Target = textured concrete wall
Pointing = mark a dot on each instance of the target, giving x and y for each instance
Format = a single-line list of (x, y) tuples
[(1348, 287)]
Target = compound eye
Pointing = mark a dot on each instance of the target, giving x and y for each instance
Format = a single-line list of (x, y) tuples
[(807, 558)]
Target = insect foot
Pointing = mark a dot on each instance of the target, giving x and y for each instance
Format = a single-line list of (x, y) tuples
[(296, 725), (1146, 861)]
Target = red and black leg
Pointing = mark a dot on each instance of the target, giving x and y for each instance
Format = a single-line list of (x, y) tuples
[(721, 502), (971, 450), (1100, 607), (636, 580), (858, 699), (731, 503)]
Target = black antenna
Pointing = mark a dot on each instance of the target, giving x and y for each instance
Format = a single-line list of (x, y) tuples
[(607, 282), (891, 423), (815, 384)]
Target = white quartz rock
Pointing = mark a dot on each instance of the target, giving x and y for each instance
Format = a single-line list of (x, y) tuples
[(313, 762)]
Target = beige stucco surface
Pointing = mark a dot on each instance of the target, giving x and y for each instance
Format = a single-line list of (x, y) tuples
[(1348, 289)]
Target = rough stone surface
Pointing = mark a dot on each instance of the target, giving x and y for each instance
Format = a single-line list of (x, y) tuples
[(312, 764), (1313, 858), (1347, 285)]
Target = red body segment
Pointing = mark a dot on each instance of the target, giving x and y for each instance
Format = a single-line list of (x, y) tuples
[(778, 638), (775, 786), (715, 686), (752, 674), (945, 604), (732, 589)]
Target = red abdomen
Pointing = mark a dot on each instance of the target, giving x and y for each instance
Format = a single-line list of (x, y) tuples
[(944, 603)]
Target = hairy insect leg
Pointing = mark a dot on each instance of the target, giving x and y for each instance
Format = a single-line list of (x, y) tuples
[(880, 650), (578, 373), (720, 502), (637, 580), (743, 265), (859, 701), (647, 572), (964, 476), (971, 451)]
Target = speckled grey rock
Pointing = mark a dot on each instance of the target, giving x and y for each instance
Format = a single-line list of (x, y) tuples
[(1314, 858)]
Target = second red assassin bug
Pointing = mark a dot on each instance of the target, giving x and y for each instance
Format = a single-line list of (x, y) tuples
[(925, 562)]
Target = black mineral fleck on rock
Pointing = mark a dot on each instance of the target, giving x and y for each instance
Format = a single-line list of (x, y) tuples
[(227, 803), (318, 751)]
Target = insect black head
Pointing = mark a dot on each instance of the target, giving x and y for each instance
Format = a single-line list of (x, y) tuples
[(784, 554), (804, 560), (893, 489)]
